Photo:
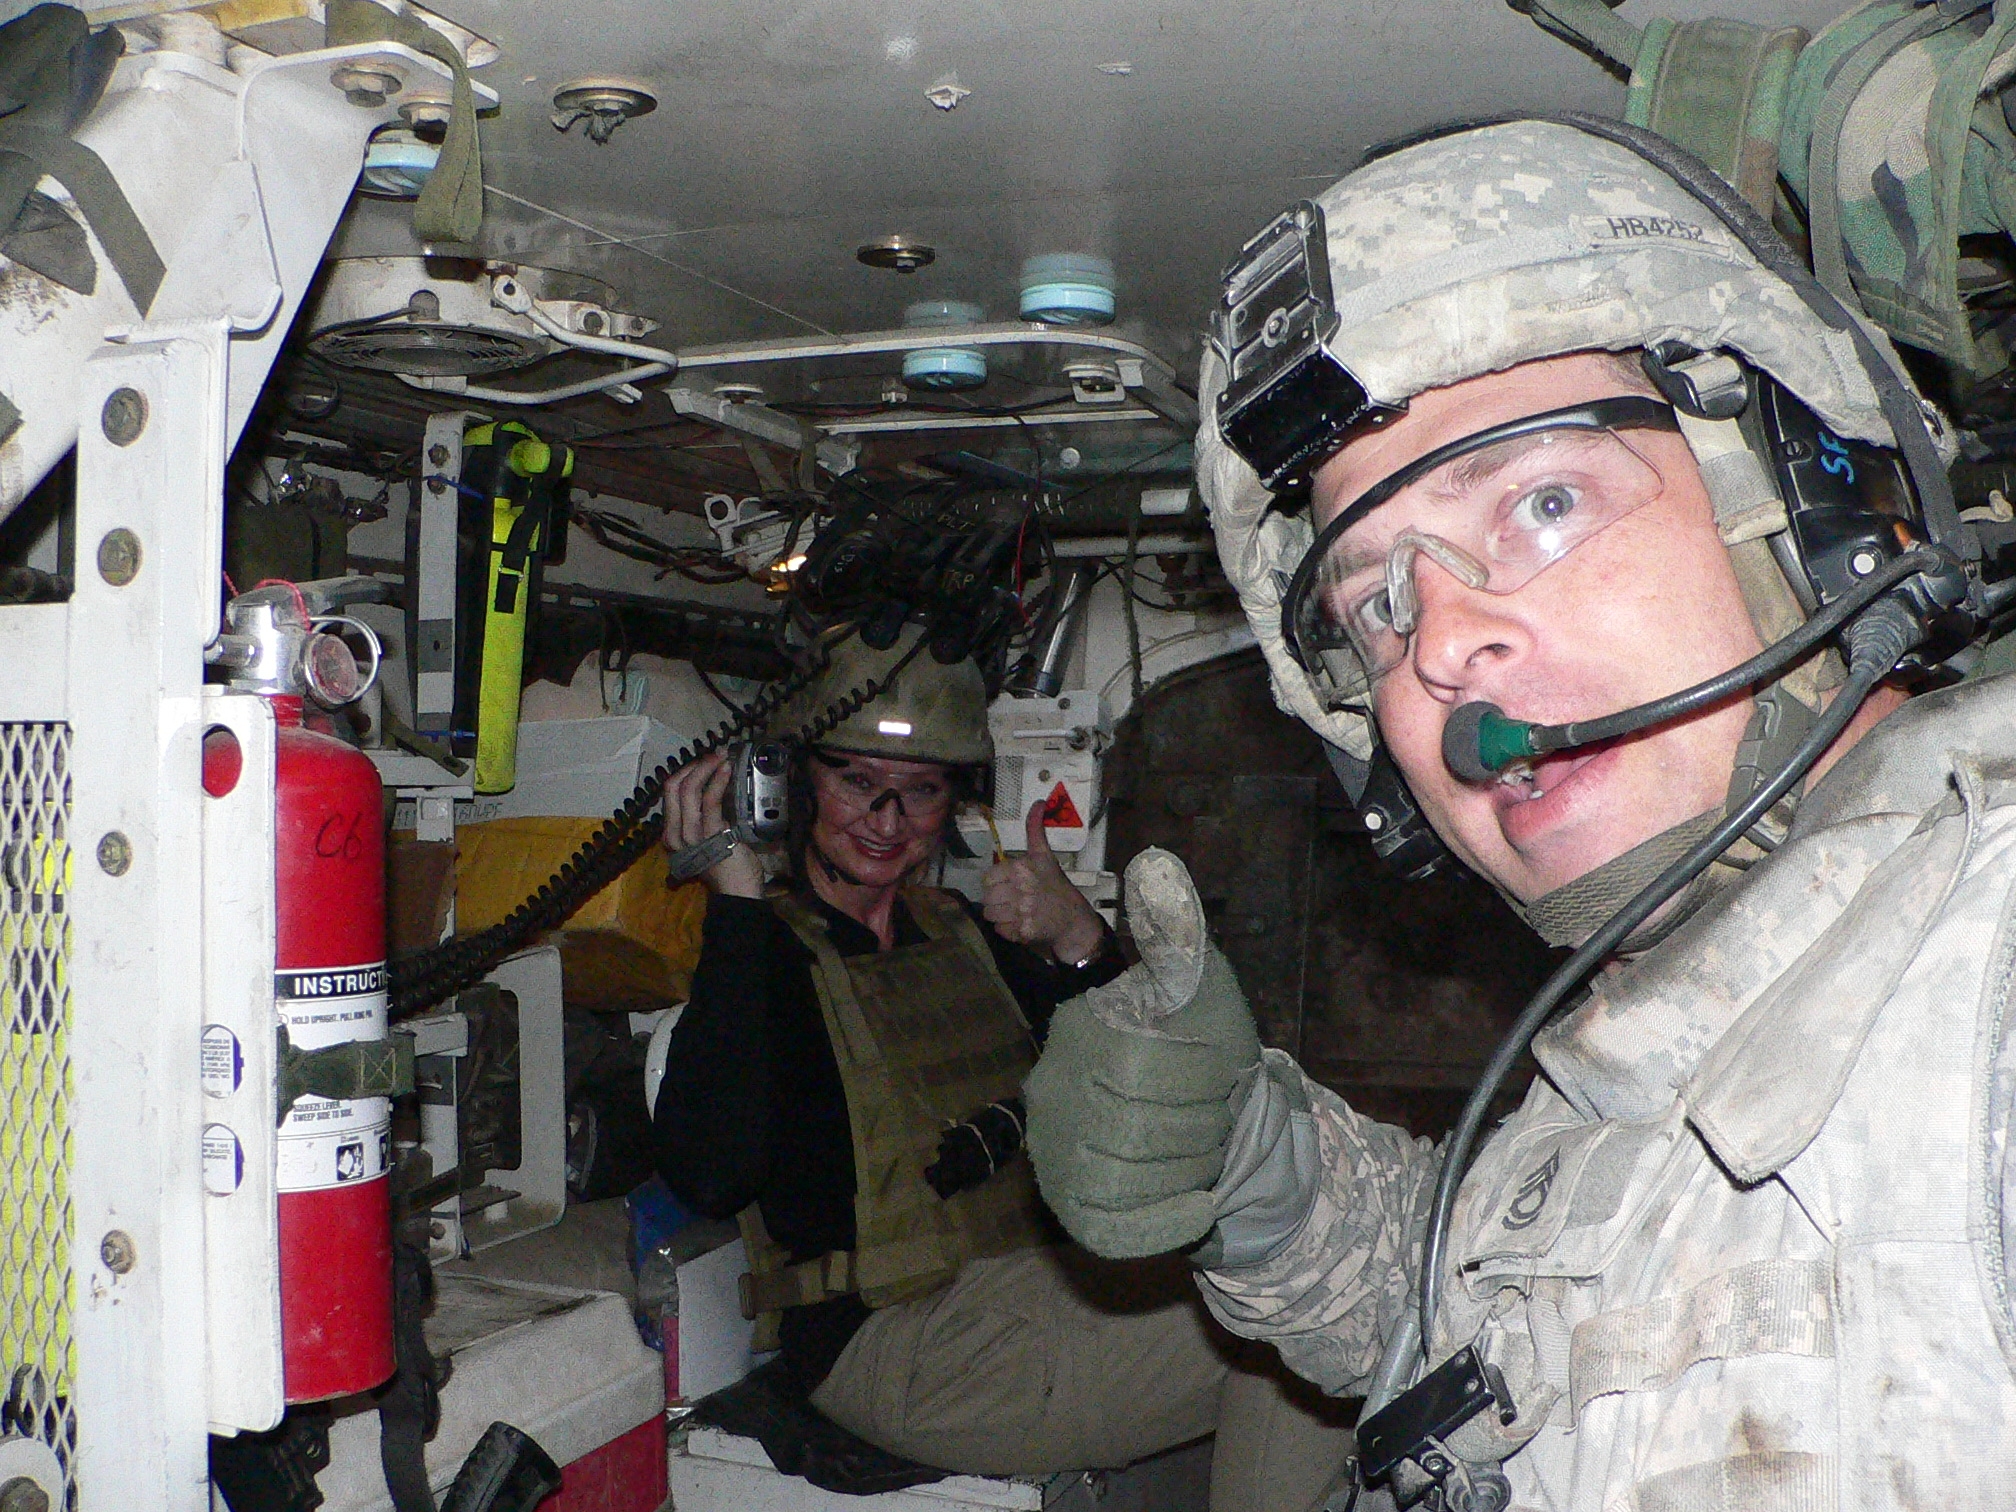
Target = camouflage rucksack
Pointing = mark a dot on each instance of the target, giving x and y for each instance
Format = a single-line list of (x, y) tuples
[(1888, 129)]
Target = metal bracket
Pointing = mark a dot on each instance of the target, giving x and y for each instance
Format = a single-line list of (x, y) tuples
[(432, 647), (1403, 1442), (1157, 386), (762, 423)]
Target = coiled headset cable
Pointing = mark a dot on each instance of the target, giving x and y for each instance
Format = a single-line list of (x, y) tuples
[(419, 981)]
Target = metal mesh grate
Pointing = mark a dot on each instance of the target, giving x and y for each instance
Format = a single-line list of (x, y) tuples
[(37, 1351)]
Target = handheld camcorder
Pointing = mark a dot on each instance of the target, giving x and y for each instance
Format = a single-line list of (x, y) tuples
[(757, 808)]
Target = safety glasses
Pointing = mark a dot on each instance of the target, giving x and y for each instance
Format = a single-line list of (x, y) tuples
[(858, 790), (1494, 510)]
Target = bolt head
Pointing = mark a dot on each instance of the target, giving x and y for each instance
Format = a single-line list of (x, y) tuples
[(119, 557), (115, 854), (1863, 563), (118, 1251), (124, 416), (897, 254), (366, 87)]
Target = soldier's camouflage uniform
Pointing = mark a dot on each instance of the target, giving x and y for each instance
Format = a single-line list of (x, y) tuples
[(1745, 1244)]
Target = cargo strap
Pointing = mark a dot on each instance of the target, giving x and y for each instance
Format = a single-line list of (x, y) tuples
[(450, 206), (837, 1273), (342, 1073), (1780, 1307), (53, 71), (1715, 87)]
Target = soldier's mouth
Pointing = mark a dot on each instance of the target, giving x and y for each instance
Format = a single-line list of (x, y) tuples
[(1532, 796)]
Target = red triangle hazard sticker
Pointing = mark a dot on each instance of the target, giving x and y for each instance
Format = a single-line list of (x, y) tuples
[(1059, 812)]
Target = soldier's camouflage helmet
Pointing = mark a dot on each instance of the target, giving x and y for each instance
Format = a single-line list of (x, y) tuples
[(1470, 252), (930, 712)]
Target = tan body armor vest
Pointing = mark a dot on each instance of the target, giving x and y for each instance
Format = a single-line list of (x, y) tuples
[(924, 1035)]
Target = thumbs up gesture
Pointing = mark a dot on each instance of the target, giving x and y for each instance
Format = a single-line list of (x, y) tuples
[(1132, 1105), (1029, 900)]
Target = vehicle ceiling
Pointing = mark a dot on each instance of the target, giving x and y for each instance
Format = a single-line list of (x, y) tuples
[(791, 132), (788, 134)]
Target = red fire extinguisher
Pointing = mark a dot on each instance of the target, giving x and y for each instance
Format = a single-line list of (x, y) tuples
[(334, 1175)]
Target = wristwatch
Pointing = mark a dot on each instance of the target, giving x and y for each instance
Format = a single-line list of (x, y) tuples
[(1105, 938)]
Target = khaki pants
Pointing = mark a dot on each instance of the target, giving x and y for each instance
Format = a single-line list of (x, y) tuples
[(1053, 1360)]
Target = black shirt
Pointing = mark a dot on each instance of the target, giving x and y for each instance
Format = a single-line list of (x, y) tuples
[(752, 1108)]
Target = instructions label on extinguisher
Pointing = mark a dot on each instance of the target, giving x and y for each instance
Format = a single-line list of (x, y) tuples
[(329, 1142)]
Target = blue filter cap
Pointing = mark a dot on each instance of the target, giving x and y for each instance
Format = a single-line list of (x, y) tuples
[(1068, 288)]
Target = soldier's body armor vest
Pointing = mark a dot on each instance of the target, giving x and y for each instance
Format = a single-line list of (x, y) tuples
[(923, 1035)]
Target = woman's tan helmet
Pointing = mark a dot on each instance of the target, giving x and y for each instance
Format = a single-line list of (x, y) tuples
[(929, 711)]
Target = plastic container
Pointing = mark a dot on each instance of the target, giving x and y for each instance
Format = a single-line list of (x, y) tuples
[(944, 369), (1068, 288), (397, 164)]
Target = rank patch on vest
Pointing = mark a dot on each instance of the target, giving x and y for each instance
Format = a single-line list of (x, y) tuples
[(1531, 1198)]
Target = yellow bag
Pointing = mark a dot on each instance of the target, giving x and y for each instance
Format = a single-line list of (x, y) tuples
[(632, 947)]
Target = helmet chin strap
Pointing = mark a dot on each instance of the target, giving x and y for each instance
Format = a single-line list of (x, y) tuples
[(1572, 912), (835, 872)]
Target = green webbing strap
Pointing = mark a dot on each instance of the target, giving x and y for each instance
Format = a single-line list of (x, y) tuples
[(1715, 87), (110, 215), (1718, 88), (450, 207), (1590, 22), (53, 71), (1823, 180), (345, 1072)]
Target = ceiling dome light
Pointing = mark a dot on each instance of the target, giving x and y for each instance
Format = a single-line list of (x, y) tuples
[(944, 369), (1068, 289)]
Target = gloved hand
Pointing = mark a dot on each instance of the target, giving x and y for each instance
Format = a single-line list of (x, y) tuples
[(1130, 1107)]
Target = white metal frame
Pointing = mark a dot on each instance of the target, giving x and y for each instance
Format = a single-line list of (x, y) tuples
[(173, 1294), (237, 1058), (437, 501)]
